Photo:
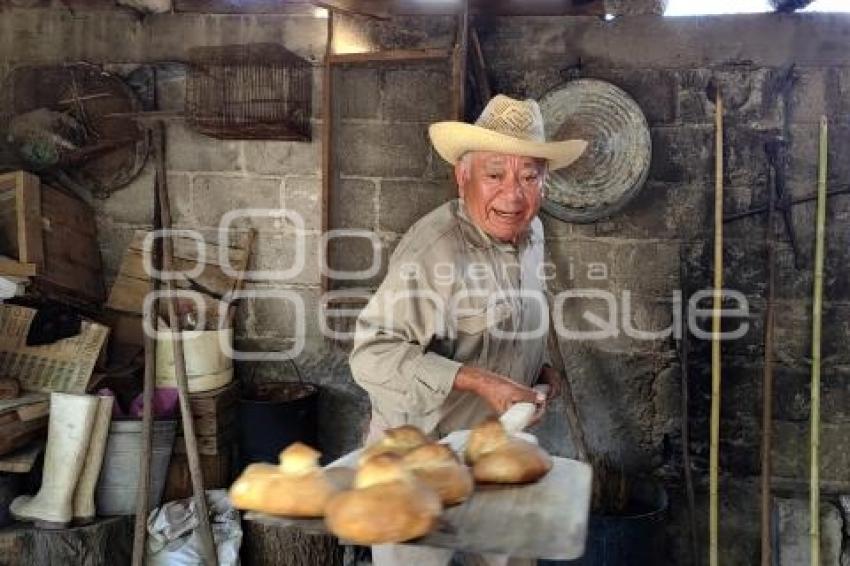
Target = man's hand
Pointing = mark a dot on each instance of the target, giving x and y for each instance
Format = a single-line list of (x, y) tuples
[(499, 391), (553, 378)]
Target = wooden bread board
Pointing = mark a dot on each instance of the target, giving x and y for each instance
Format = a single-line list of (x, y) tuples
[(547, 519)]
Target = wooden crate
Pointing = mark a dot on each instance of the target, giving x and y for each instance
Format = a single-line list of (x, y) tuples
[(215, 416), (52, 235)]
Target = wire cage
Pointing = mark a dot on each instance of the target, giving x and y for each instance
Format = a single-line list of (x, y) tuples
[(252, 91)]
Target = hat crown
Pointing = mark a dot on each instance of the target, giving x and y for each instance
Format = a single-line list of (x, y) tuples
[(520, 119)]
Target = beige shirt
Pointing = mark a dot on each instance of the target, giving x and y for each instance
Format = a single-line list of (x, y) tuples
[(452, 296)]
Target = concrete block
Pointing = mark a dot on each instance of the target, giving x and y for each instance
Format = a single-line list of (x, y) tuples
[(284, 313), (793, 395), (355, 204), (751, 96), (402, 203), (357, 92), (635, 7), (215, 195), (794, 540), (524, 82), (417, 94), (277, 251), (682, 154), (350, 255), (284, 157), (190, 151), (792, 440), (382, 150), (809, 94), (654, 90), (303, 195)]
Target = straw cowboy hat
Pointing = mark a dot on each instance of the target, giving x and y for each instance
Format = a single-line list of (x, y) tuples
[(505, 126)]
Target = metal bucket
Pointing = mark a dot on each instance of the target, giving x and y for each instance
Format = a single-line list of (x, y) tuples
[(119, 475), (273, 416)]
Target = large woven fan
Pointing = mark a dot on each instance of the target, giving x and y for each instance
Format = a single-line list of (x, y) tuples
[(616, 162)]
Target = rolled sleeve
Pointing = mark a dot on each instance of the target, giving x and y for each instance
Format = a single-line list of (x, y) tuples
[(435, 377)]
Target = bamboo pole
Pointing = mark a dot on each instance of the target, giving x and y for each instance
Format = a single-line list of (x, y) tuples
[(715, 335), (817, 310)]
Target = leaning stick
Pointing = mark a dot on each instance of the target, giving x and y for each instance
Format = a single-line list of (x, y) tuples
[(767, 372), (715, 335), (817, 310), (204, 530)]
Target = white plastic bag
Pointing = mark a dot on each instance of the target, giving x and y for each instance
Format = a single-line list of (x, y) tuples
[(172, 540)]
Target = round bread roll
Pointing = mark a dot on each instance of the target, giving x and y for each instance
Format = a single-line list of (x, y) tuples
[(499, 458), (297, 487), (398, 441), (438, 467), (387, 505), (515, 462)]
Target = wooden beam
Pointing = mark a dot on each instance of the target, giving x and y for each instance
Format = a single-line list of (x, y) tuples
[(10, 267), (327, 144), (389, 56), (387, 8), (459, 64), (479, 69)]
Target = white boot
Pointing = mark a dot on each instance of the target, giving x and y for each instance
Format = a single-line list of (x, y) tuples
[(84, 510), (68, 433)]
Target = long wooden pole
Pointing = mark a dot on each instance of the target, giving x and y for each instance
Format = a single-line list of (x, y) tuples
[(817, 311), (327, 142), (767, 373), (204, 531), (149, 318), (714, 458)]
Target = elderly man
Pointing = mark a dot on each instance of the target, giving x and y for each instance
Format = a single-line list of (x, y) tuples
[(457, 330)]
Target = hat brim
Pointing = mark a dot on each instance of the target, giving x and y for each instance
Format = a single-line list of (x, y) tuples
[(453, 139)]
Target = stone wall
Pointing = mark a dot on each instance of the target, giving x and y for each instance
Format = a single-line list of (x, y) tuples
[(387, 176)]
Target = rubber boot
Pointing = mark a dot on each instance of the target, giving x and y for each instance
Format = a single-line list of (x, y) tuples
[(68, 433), (84, 510)]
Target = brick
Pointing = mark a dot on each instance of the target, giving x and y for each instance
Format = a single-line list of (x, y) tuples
[(190, 151), (416, 95), (355, 204), (214, 195), (357, 92), (302, 195), (284, 157), (382, 150), (277, 316), (402, 203)]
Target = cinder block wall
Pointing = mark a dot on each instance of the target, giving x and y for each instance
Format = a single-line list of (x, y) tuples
[(387, 176)]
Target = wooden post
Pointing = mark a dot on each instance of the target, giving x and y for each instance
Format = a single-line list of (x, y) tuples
[(817, 312), (459, 64), (327, 144), (767, 373), (714, 460), (149, 321), (203, 529)]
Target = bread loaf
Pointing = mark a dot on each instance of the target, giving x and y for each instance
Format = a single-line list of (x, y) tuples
[(297, 487), (497, 457), (438, 467)]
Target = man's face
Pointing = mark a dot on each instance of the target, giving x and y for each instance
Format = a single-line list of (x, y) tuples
[(502, 192)]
